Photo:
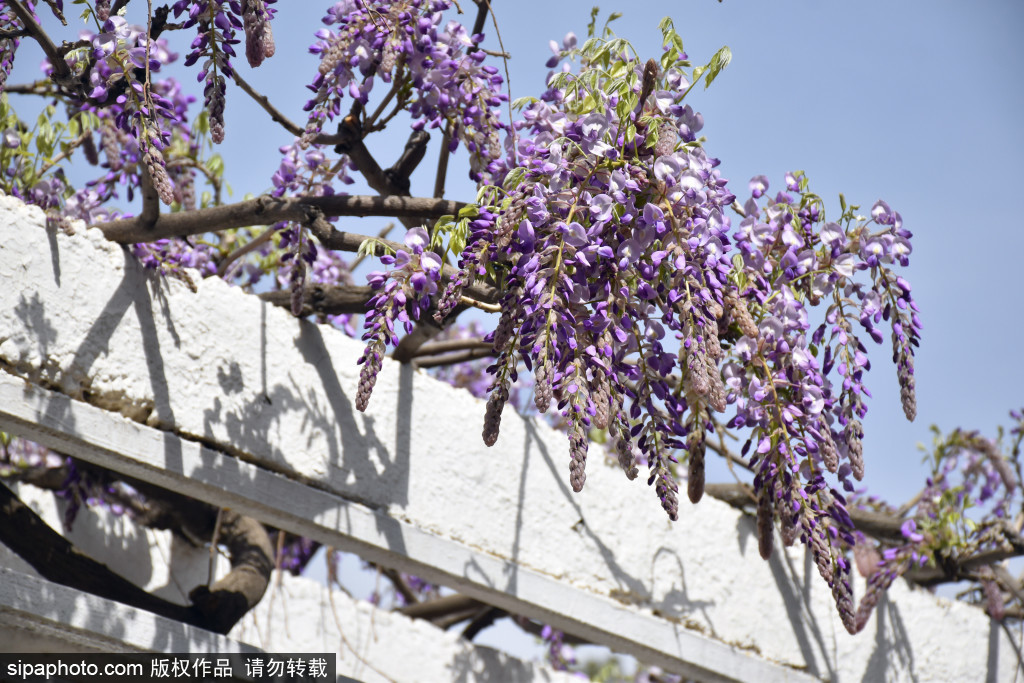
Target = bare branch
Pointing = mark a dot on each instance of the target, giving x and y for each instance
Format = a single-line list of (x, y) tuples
[(57, 12), (408, 594), (350, 136), (489, 308), (277, 116), (449, 345), (325, 299), (485, 618), (118, 6), (267, 210), (246, 248), (442, 161), (874, 524), (61, 73), (400, 172), (453, 358), (481, 17), (56, 559), (442, 607), (150, 200)]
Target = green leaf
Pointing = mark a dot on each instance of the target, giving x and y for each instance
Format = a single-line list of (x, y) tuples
[(521, 102), (442, 227), (371, 245), (622, 109), (215, 165), (471, 211), (514, 178), (593, 20), (652, 136), (668, 58), (718, 62)]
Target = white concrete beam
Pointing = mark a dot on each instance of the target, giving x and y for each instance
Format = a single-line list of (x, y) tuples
[(113, 441), (40, 616)]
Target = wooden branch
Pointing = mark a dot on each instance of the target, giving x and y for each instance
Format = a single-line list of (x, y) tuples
[(452, 358), (395, 577), (150, 213), (332, 238), (241, 589), (350, 136), (345, 299), (326, 299), (424, 330), (401, 171), (381, 181), (57, 11), (888, 527), (277, 116), (485, 618), (955, 569), (449, 620), (481, 17), (57, 560), (436, 348), (442, 607), (61, 73), (267, 210), (874, 524), (217, 608), (442, 161)]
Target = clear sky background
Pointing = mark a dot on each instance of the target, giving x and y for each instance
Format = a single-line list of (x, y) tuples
[(918, 102)]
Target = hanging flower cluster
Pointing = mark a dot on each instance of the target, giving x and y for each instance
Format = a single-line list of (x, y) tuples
[(437, 74), (625, 297), (611, 241), (402, 295), (218, 22), (963, 510), (8, 23), (115, 66)]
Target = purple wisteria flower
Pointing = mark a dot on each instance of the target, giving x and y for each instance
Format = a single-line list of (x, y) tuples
[(402, 295), (403, 43)]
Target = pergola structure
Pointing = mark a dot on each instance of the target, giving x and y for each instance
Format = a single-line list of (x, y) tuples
[(222, 397)]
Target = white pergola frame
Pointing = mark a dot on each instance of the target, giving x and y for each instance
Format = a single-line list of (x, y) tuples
[(228, 400)]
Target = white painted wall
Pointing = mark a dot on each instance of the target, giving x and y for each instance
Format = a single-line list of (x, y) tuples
[(221, 367)]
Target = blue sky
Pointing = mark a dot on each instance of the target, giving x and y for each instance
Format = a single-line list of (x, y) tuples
[(917, 102)]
